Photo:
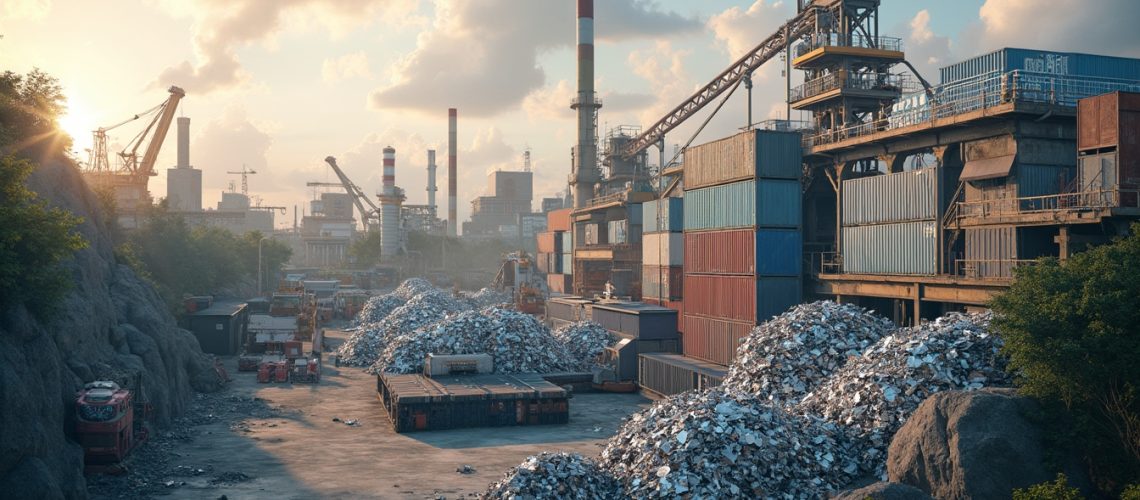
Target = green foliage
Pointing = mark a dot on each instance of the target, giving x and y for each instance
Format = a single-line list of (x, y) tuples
[(181, 260), (366, 250), (1057, 489), (1132, 492), (1070, 331), (30, 105), (34, 239)]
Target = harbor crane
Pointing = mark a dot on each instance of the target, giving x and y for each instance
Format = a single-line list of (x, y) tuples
[(163, 115), (367, 215)]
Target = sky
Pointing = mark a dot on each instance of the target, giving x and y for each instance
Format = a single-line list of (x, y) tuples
[(278, 85)]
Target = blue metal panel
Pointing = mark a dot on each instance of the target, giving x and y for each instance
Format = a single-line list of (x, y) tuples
[(1041, 180), (660, 216), (779, 252), (635, 213), (779, 155), (776, 295), (1042, 61), (764, 203), (779, 203)]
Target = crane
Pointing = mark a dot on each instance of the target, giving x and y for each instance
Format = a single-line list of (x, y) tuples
[(244, 173), (357, 194), (160, 124)]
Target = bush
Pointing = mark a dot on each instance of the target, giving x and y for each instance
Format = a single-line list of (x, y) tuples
[(1057, 489)]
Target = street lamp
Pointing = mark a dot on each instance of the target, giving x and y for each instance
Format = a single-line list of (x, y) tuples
[(259, 242)]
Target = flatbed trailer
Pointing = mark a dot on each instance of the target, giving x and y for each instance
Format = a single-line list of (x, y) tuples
[(418, 403)]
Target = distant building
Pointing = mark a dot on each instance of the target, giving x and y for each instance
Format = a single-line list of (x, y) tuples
[(509, 195), (234, 213), (552, 204)]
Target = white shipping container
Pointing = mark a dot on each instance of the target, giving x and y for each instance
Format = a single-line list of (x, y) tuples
[(663, 249)]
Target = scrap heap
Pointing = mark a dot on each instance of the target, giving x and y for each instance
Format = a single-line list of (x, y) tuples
[(417, 303), (556, 475), (517, 342), (586, 340), (785, 358), (875, 393)]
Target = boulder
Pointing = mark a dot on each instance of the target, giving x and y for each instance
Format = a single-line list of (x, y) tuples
[(975, 444), (883, 491)]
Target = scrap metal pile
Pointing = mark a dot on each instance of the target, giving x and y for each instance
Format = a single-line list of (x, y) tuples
[(809, 405), (517, 342), (486, 297), (786, 357), (556, 475), (876, 392), (585, 340), (419, 304)]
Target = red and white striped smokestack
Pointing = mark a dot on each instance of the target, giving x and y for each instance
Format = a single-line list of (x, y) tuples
[(389, 171), (452, 145), (585, 167)]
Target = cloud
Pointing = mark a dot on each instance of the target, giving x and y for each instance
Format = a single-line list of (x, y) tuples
[(739, 31), (551, 102), (1102, 27), (228, 143), (926, 50), (483, 56), (354, 65), (664, 68), (223, 26), (28, 10)]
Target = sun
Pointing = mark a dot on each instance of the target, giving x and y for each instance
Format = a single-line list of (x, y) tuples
[(78, 123)]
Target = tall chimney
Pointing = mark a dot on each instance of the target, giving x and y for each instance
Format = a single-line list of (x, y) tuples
[(585, 167), (431, 182), (183, 142), (183, 182), (389, 208), (452, 145)]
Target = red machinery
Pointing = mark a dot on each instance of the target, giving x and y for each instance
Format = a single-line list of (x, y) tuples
[(107, 424), (305, 371), (281, 371)]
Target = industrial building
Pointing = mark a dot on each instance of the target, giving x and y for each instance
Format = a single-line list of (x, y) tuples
[(909, 197)]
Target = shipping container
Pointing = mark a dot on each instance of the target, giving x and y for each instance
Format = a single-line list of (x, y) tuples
[(542, 261), (567, 241), (559, 220), (713, 340), (569, 308), (1044, 62), (595, 234), (549, 242), (634, 214), (663, 249), (740, 298), (991, 252), (1107, 120), (663, 215), (636, 319), (908, 248), (567, 262), (662, 283), (752, 203), (671, 374), (748, 155), (420, 403), (559, 283), (899, 197), (779, 252)]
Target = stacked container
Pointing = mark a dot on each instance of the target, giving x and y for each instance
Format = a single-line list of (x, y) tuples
[(555, 247), (662, 251), (1108, 139), (890, 223), (742, 240)]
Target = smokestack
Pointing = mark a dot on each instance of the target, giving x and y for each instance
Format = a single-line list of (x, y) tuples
[(452, 145), (585, 152), (183, 142), (431, 182), (389, 207)]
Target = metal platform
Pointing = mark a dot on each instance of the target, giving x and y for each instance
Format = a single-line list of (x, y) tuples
[(416, 402)]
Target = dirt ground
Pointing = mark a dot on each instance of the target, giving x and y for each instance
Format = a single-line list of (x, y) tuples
[(281, 441)]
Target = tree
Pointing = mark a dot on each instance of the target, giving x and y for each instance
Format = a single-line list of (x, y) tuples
[(34, 240), (1071, 333), (30, 106), (366, 250)]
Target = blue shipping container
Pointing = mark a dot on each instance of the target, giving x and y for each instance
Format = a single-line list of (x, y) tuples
[(634, 213), (774, 296), (662, 216), (1041, 61), (751, 203), (779, 252)]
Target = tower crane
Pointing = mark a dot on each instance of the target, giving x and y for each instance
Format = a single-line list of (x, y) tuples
[(244, 173), (358, 197), (159, 124)]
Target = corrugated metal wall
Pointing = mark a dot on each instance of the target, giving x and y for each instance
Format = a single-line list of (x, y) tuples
[(748, 155), (776, 203), (1041, 180), (662, 283), (663, 215), (989, 252), (780, 252), (713, 340), (669, 375), (1040, 61), (899, 197), (719, 296), (663, 249), (720, 252), (908, 248), (776, 295)]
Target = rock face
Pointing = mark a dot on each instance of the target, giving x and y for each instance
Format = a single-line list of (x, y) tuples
[(111, 325), (969, 445), (884, 491)]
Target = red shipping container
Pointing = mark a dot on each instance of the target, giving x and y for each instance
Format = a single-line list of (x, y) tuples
[(548, 242), (558, 220), (721, 252), (713, 340), (559, 283), (720, 296)]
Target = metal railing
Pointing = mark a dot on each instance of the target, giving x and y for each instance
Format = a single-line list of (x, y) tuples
[(824, 263), (852, 81), (836, 40), (983, 92), (1096, 199)]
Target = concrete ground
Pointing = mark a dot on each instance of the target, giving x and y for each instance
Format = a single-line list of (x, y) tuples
[(302, 453)]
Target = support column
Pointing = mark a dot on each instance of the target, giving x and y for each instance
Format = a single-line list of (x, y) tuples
[(917, 304), (1064, 241), (894, 161)]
